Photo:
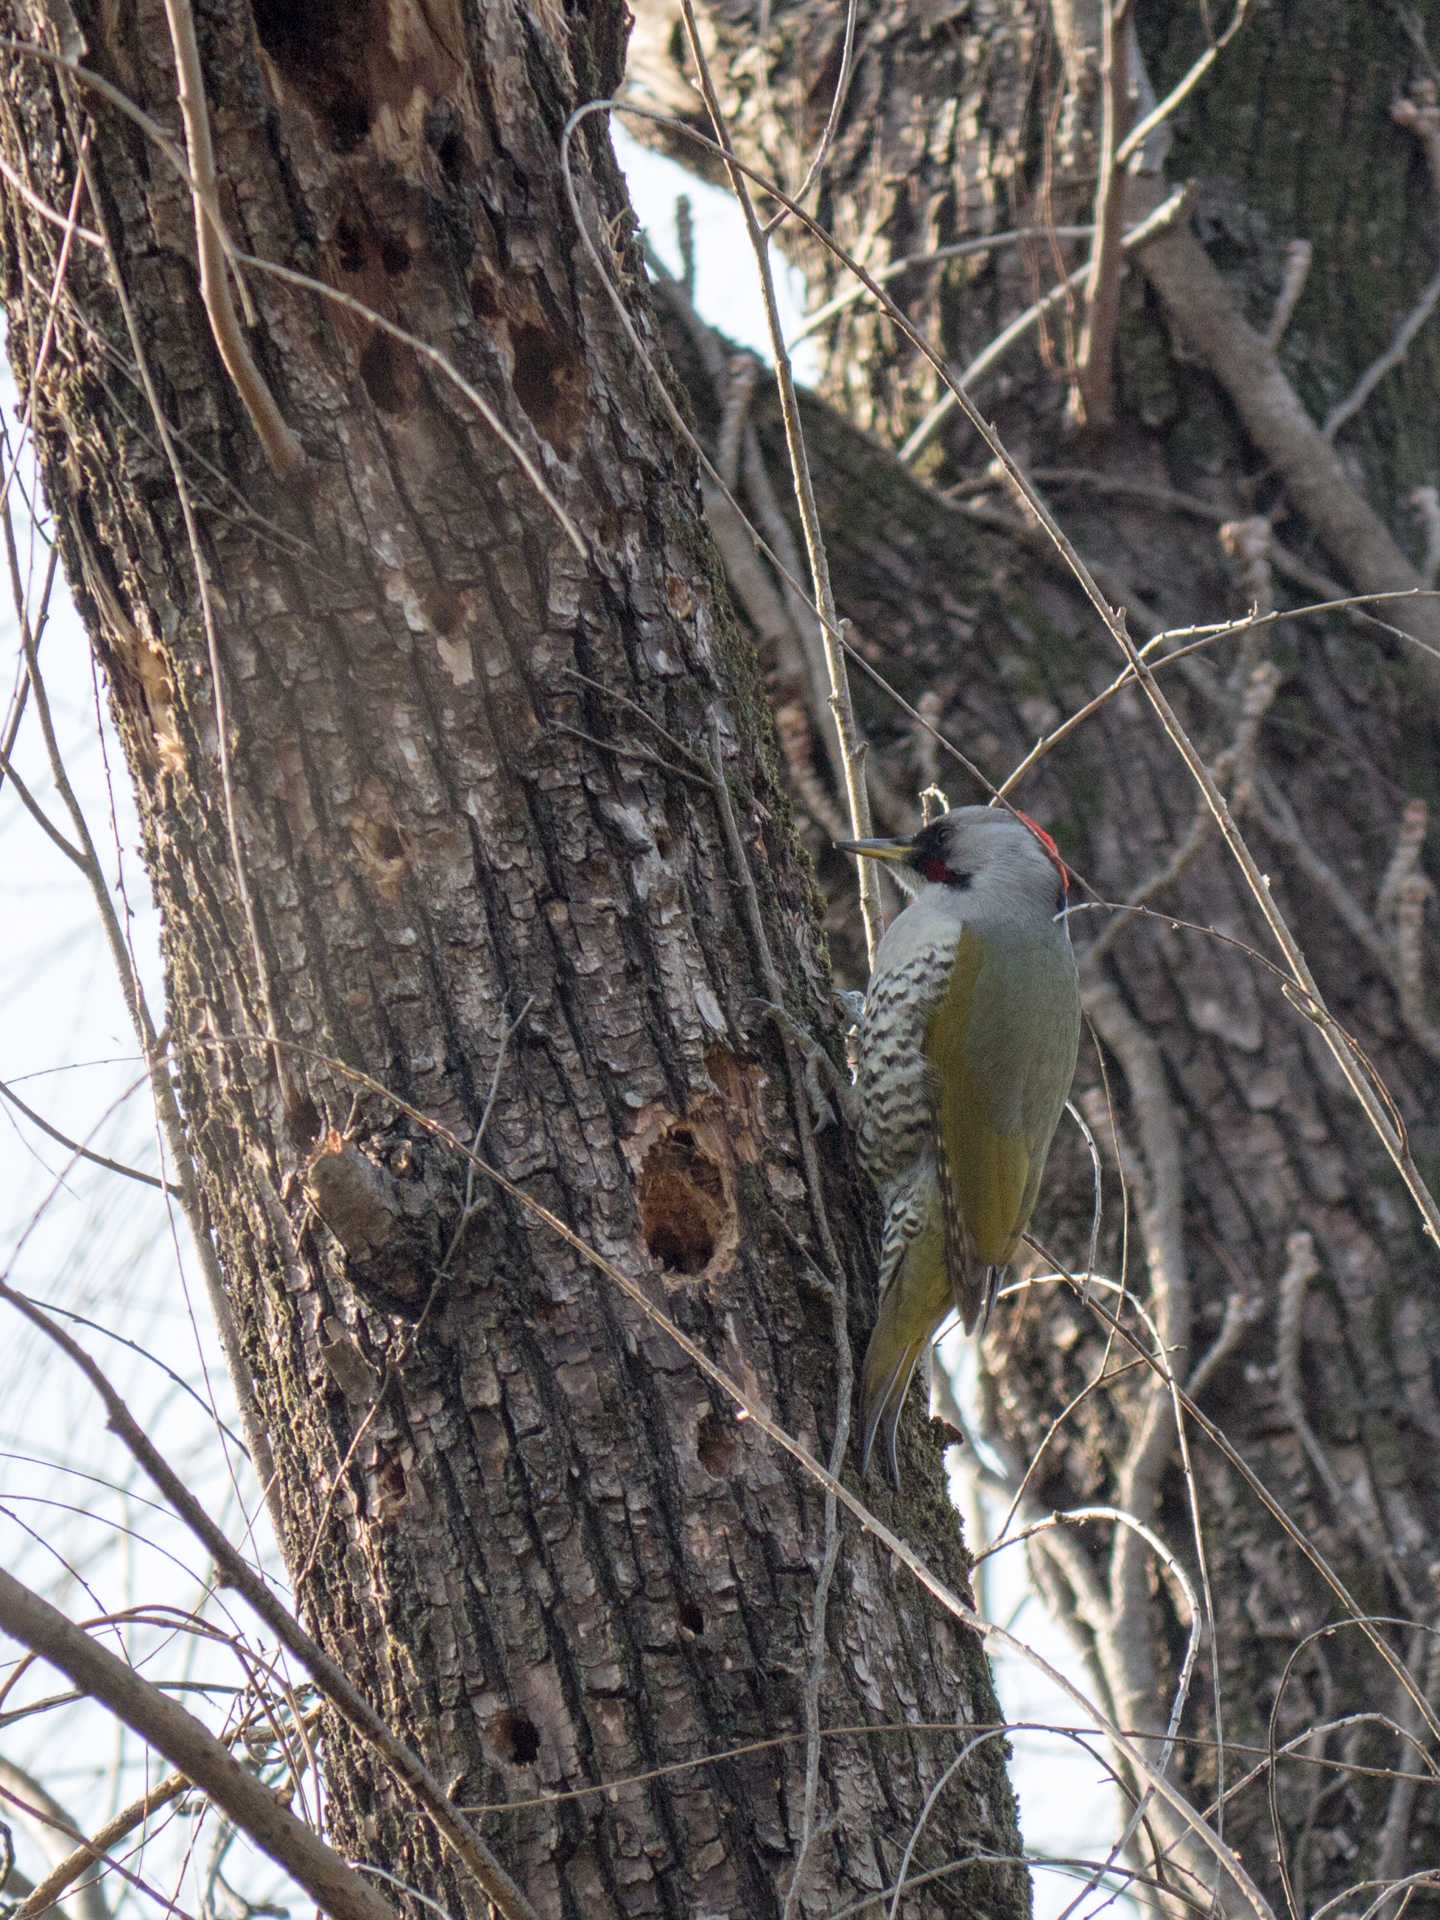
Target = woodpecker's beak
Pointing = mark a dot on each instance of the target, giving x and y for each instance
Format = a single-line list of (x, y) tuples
[(877, 849)]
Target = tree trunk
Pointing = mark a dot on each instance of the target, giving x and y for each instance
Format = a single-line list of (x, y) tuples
[(1270, 1238), (457, 826)]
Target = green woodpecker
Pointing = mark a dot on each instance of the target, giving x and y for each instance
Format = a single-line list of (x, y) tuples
[(967, 1051)]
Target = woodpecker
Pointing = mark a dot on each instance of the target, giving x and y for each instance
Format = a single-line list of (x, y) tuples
[(966, 1053)]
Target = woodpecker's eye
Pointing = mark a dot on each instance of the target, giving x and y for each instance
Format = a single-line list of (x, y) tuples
[(928, 857), (927, 851)]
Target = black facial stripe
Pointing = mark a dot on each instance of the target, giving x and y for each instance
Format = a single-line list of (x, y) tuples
[(927, 856), (928, 847)]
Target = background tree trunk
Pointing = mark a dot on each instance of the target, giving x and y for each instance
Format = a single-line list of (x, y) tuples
[(462, 832), (1270, 1238)]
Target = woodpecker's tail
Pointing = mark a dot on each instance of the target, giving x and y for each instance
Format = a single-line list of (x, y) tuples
[(994, 1276), (888, 1372)]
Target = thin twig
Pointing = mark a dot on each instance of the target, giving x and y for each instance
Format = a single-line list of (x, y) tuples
[(852, 751), (188, 1745), (989, 356), (1392, 357), (37, 205), (1206, 637), (468, 1207), (53, 1826), (37, 812), (832, 120), (171, 1125), (1234, 768), (1218, 1439), (1301, 1267), (85, 1153), (47, 336), (956, 250), (1184, 87), (1243, 1312), (1267, 1757), (1094, 391), (235, 1571), (1298, 256), (839, 1312), (282, 448), (902, 1881), (624, 751)]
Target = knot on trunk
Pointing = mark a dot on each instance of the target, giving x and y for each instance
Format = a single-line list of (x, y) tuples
[(389, 1219)]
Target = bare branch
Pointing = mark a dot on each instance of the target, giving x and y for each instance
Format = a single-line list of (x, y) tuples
[(1183, 88), (1093, 396), (1139, 235), (235, 1571), (282, 448), (1298, 256), (1393, 356), (1208, 321), (54, 1829), (335, 1887), (851, 748), (81, 1152)]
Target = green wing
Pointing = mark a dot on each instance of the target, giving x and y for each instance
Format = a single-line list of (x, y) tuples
[(986, 1176)]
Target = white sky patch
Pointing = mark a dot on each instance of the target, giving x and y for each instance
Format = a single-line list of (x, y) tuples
[(727, 281)]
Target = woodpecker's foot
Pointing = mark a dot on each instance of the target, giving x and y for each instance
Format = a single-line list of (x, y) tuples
[(853, 1005), (822, 1079)]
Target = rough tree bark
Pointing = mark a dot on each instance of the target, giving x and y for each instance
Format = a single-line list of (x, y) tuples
[(462, 833), (1271, 1238)]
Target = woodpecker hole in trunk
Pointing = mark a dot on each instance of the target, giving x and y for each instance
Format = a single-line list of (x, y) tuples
[(715, 1444), (514, 1737), (682, 1200)]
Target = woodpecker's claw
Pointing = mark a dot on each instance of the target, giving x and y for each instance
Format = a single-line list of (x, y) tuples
[(853, 1003), (819, 1069)]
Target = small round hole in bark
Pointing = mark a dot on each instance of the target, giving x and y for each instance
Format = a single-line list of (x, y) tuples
[(548, 384), (715, 1444), (381, 374), (349, 246), (442, 610), (394, 254), (450, 152), (515, 1738), (348, 117), (692, 1618)]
